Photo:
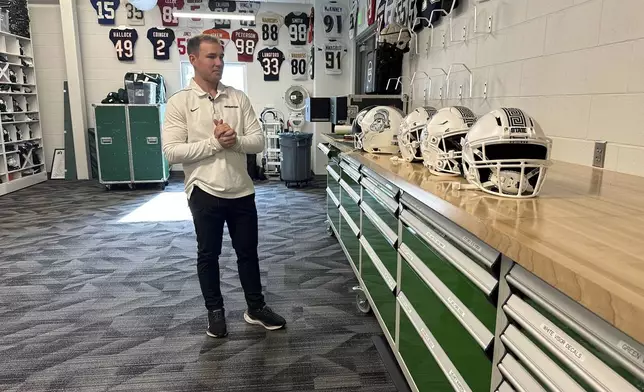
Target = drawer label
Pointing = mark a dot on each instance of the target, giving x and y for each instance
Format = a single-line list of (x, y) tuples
[(563, 343), (152, 140), (631, 352), (471, 243), (455, 306), (106, 140), (435, 240), (426, 338), (456, 381)]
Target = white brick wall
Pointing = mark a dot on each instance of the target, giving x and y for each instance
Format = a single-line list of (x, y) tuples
[(577, 66)]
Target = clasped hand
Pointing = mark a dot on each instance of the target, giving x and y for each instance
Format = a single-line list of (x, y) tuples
[(226, 136)]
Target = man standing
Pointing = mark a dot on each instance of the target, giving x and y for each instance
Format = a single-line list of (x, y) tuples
[(209, 128)]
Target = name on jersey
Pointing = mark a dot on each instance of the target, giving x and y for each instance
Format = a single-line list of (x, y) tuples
[(298, 20), (270, 20), (332, 9), (271, 54), (334, 47), (222, 4), (122, 34), (299, 55), (160, 34), (245, 34)]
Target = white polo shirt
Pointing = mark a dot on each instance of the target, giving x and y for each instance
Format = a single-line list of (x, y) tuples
[(188, 138)]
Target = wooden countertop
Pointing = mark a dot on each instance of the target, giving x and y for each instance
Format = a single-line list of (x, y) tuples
[(584, 234)]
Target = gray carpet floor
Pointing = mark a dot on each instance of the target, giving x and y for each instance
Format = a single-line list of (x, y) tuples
[(98, 292)]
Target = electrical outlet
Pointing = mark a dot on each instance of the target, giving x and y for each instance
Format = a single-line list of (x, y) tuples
[(599, 154)]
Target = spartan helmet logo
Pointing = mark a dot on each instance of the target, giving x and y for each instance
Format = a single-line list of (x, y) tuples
[(380, 121)]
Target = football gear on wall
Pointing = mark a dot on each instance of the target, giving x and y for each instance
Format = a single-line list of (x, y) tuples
[(380, 130), (410, 133)]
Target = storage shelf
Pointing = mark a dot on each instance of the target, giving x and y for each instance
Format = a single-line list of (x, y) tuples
[(4, 33), (25, 168), (23, 141)]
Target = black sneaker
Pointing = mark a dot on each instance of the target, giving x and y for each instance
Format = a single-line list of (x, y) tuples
[(264, 317), (217, 324)]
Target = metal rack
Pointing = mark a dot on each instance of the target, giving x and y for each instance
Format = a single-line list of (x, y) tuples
[(272, 156)]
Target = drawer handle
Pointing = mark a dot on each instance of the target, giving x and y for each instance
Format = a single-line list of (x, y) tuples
[(324, 149), (354, 196), (333, 174), (454, 377), (469, 268), (386, 200), (350, 222), (332, 196), (583, 363), (518, 376)]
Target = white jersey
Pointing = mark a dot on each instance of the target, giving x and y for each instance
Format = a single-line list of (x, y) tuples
[(333, 17), (271, 24), (297, 60), (333, 54), (195, 6), (135, 17)]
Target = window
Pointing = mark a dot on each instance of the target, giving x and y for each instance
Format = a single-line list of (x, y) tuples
[(234, 75)]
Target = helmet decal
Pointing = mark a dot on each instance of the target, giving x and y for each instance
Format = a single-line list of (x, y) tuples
[(380, 121), (516, 118), (468, 116)]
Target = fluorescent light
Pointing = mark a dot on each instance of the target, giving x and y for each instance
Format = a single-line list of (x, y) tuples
[(214, 15)]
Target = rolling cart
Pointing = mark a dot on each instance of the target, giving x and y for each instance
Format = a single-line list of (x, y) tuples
[(128, 145)]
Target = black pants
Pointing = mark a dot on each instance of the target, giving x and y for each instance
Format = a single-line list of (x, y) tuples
[(209, 214)]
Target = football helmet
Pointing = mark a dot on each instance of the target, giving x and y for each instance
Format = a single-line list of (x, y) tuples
[(410, 132), (380, 130), (507, 154), (441, 140), (356, 128)]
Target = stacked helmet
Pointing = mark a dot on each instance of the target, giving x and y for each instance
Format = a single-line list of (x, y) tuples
[(410, 133), (380, 130), (356, 128), (441, 140), (507, 154)]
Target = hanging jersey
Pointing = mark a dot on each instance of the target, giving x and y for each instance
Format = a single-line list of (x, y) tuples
[(426, 10), (311, 24), (332, 14), (412, 13), (182, 40), (390, 11), (271, 60), (222, 6), (271, 23), (247, 7), (381, 13), (166, 7), (195, 6), (371, 12), (333, 53), (353, 18), (223, 35), (401, 12), (135, 16), (245, 41), (297, 61), (123, 41), (106, 10), (297, 25), (162, 40)]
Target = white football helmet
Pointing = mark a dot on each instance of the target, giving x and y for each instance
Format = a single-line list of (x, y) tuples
[(441, 140), (410, 132), (380, 130), (356, 128), (507, 154)]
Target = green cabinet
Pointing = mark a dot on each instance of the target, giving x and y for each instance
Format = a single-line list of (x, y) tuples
[(349, 231), (128, 144), (332, 210), (380, 284)]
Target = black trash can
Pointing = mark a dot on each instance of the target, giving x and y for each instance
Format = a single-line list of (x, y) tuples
[(295, 165)]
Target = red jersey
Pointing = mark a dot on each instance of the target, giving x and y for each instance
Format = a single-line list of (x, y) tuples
[(245, 41)]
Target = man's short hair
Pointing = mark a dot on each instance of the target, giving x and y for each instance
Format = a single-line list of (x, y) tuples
[(195, 42)]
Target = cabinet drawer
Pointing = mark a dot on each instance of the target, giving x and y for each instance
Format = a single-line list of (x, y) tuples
[(350, 239), (612, 347), (383, 207), (350, 176), (332, 209), (333, 181), (349, 201), (461, 347), (424, 358), (383, 184), (518, 376), (572, 352), (380, 245), (380, 286), (480, 304)]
